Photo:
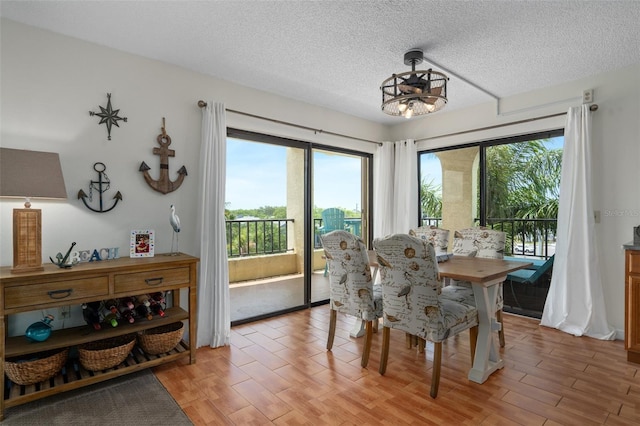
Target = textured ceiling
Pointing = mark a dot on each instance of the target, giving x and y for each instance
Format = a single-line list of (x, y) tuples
[(335, 54)]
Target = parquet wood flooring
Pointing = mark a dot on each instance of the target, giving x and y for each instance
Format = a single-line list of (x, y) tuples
[(277, 371)]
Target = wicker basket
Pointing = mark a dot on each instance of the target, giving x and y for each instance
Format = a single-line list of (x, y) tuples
[(161, 339), (107, 353), (37, 368)]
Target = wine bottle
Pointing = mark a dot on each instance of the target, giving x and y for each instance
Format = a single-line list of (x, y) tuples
[(144, 299), (156, 308), (127, 314), (109, 316), (91, 316), (158, 297), (112, 305), (143, 311), (127, 301)]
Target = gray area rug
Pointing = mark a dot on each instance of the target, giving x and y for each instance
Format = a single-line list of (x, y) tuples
[(134, 399)]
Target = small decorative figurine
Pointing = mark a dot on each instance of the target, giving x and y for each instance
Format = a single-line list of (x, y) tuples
[(101, 185), (62, 260), (174, 220), (39, 331), (164, 183), (108, 116)]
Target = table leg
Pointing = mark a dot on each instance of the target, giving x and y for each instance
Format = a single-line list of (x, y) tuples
[(487, 358)]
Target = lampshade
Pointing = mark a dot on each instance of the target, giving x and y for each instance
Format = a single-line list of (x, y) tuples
[(414, 92), (29, 174)]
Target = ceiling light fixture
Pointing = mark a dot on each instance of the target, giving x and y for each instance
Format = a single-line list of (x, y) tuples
[(414, 92)]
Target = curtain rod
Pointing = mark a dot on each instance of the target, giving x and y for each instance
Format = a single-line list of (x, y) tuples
[(592, 107), (203, 104)]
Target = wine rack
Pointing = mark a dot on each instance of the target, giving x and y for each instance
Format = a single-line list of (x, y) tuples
[(86, 282)]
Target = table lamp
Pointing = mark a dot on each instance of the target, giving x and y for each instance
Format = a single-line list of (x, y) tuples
[(29, 174)]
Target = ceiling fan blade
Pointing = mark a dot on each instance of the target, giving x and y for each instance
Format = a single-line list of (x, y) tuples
[(408, 89)]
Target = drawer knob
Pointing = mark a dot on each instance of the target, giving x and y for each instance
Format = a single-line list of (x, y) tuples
[(60, 294), (154, 281)]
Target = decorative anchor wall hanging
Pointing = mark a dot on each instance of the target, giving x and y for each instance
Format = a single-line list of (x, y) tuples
[(163, 184), (101, 185), (108, 116)]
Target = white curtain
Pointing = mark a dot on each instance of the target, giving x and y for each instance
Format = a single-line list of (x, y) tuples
[(575, 302), (395, 188), (214, 314)]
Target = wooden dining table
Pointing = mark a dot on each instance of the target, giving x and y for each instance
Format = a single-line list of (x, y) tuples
[(484, 276)]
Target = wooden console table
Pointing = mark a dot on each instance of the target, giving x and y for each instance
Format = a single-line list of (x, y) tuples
[(87, 282)]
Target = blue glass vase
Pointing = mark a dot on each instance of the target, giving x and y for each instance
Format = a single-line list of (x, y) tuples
[(41, 330)]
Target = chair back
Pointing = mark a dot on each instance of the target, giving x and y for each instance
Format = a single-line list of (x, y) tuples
[(351, 287), (480, 242), (438, 237), (411, 289), (332, 219)]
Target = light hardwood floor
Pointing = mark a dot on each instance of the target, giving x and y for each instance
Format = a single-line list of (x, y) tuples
[(277, 371)]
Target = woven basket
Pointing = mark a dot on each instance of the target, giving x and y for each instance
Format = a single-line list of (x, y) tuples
[(107, 353), (39, 367), (161, 339)]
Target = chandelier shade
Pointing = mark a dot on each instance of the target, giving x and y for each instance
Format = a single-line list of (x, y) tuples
[(415, 92)]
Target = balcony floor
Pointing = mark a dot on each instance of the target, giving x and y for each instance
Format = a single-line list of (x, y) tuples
[(258, 297)]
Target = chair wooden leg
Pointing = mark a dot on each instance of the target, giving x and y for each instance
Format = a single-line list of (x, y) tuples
[(409, 338), (473, 340), (437, 363), (367, 344), (421, 344), (384, 354), (501, 332), (332, 328), (376, 324)]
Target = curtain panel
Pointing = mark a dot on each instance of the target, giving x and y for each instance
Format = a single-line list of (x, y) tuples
[(575, 302), (214, 313)]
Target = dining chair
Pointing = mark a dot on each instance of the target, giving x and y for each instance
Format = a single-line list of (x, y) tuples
[(411, 300), (478, 242), (438, 237), (351, 288)]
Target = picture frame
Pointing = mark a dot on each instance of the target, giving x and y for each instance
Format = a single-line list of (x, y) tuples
[(142, 243)]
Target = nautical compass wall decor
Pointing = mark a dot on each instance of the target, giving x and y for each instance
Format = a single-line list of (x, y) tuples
[(101, 186), (108, 116), (164, 183)]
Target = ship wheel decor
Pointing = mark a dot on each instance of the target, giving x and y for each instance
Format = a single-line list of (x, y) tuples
[(164, 183), (108, 116), (100, 186)]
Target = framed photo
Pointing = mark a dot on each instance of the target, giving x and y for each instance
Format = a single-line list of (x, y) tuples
[(142, 243)]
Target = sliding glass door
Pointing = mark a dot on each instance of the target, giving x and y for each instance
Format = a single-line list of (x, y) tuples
[(266, 220), (279, 197), (340, 201)]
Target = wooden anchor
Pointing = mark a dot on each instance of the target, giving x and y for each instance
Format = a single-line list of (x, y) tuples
[(164, 183), (101, 185)]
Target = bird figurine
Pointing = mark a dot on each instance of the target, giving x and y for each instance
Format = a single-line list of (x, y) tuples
[(174, 220)]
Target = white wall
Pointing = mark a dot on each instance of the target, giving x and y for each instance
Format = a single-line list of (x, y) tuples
[(616, 156), (50, 82)]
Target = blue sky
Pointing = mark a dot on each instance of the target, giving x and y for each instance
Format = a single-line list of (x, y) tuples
[(256, 177)]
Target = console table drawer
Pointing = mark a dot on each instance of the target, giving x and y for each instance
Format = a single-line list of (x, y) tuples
[(148, 281), (50, 292)]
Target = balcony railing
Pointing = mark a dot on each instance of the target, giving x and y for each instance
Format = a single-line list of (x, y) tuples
[(525, 237), (257, 237)]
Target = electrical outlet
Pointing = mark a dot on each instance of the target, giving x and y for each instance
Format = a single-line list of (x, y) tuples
[(64, 312), (587, 96)]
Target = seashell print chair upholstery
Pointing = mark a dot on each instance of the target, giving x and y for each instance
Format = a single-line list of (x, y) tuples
[(351, 287), (478, 242), (438, 237), (411, 299)]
